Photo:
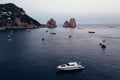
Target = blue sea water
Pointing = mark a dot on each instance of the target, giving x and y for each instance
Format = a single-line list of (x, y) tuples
[(27, 57)]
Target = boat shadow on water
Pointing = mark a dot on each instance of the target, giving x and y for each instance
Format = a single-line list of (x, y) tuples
[(69, 71)]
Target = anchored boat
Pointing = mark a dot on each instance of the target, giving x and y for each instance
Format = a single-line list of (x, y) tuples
[(70, 66)]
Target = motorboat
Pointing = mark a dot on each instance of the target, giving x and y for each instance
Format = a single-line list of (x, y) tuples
[(11, 33), (70, 66), (9, 36), (43, 39), (70, 36), (53, 33), (28, 30), (91, 32), (103, 44), (9, 39)]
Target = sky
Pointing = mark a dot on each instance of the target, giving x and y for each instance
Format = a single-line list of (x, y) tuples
[(84, 11)]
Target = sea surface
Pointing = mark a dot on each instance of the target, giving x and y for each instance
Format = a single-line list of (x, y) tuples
[(27, 57)]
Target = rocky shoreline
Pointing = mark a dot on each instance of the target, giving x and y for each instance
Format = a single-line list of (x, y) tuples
[(13, 17)]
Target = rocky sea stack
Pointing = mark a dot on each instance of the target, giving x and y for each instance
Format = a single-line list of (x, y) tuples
[(71, 23), (13, 17), (51, 23)]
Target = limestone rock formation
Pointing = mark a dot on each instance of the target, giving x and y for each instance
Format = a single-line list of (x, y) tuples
[(66, 24), (71, 23), (12, 16), (51, 23)]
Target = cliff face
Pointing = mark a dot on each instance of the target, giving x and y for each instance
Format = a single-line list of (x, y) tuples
[(12, 16), (71, 23), (51, 23)]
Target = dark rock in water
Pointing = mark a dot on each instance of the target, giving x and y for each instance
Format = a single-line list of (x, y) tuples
[(71, 23), (51, 23), (13, 17)]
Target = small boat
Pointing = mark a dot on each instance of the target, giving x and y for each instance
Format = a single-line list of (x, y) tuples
[(70, 36), (103, 44), (43, 39), (79, 28), (91, 32), (111, 26), (11, 32), (28, 30), (70, 66), (9, 36), (53, 33), (9, 39)]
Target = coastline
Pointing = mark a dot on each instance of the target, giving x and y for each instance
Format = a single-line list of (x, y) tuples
[(20, 27)]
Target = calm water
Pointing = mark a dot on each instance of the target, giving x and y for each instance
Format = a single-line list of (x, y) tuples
[(26, 57)]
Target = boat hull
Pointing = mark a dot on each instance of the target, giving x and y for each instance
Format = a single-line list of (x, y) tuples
[(70, 68)]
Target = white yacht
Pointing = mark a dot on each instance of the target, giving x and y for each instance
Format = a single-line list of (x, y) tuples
[(70, 66)]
